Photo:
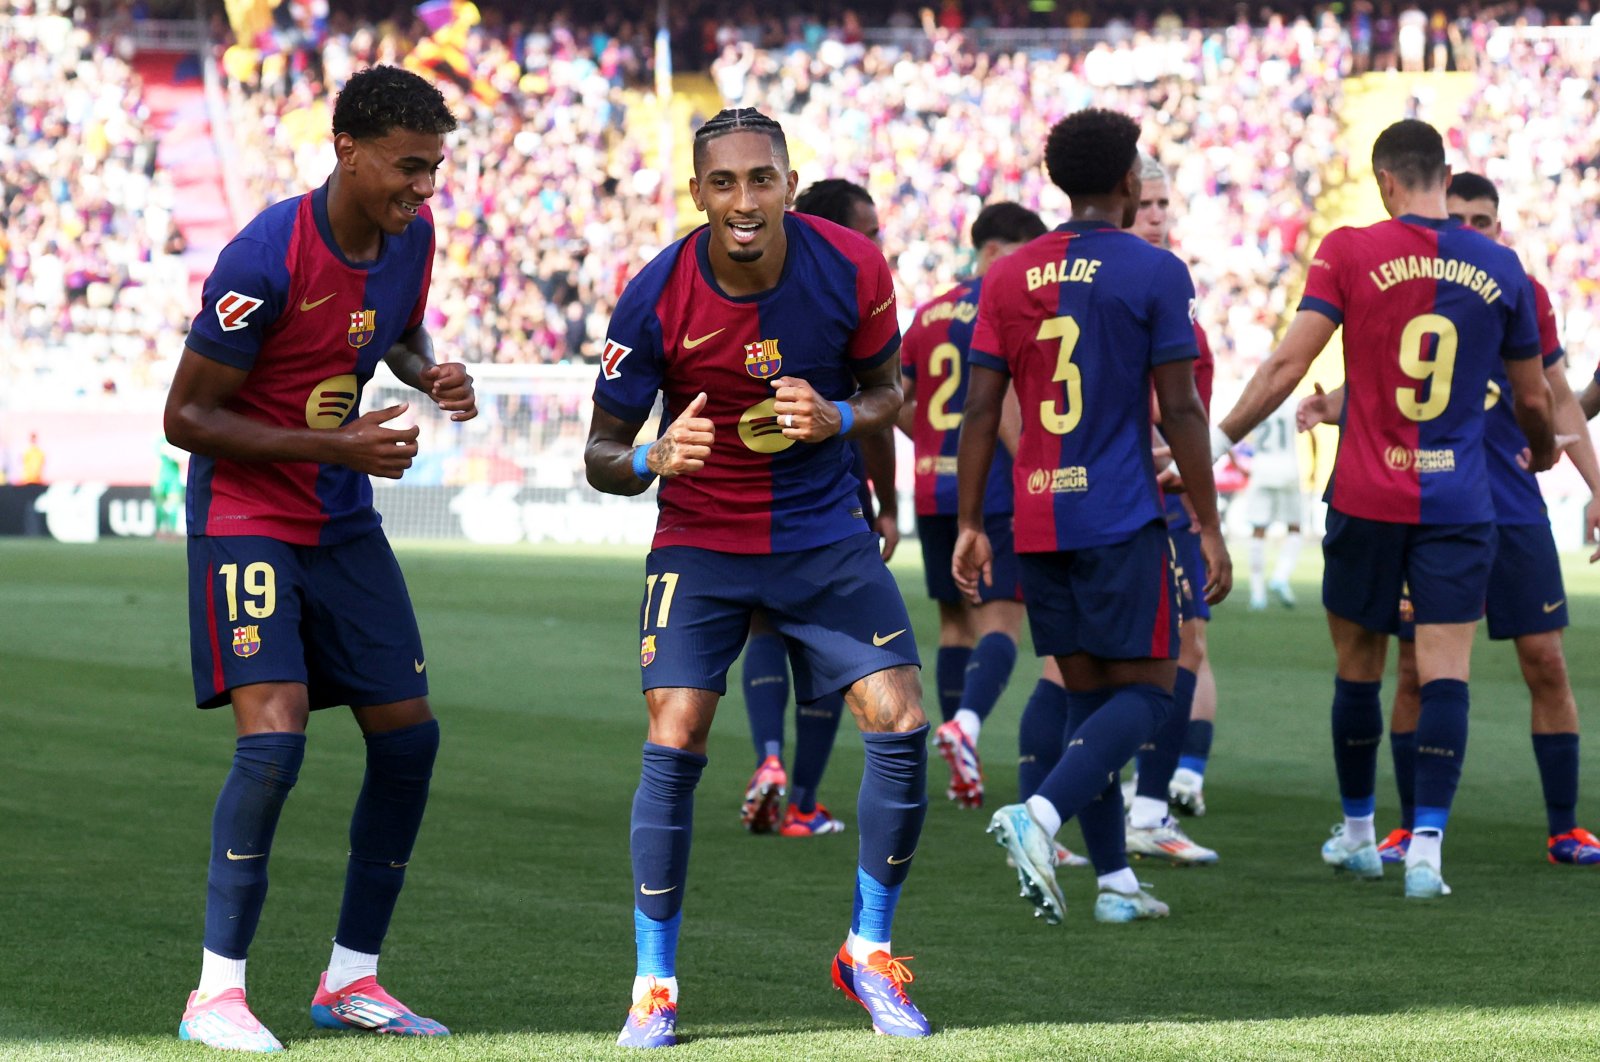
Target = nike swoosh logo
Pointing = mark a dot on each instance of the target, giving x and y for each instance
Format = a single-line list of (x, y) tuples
[(418, 664), (399, 866), (893, 862), (690, 344), (655, 892), (236, 858), (304, 305), (885, 639), (1555, 605)]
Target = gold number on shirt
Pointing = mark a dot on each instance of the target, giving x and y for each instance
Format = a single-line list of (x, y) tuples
[(939, 414), (1061, 421), (669, 586), (260, 581), (1436, 372)]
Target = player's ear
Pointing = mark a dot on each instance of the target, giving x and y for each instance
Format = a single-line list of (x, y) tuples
[(789, 189), (694, 193), (344, 147)]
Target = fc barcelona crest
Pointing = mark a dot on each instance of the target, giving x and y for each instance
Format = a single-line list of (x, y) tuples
[(761, 359), (647, 650), (363, 326), (247, 640)]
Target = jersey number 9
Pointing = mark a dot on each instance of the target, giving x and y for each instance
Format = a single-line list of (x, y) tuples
[(1435, 372)]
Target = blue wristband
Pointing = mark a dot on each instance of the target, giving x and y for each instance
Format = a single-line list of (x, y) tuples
[(641, 467), (847, 417)]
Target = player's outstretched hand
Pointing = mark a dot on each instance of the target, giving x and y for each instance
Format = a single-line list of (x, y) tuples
[(1168, 478), (888, 529), (804, 415), (685, 445), (377, 450), (1525, 458), (451, 389), (1314, 409), (971, 560), (1219, 567)]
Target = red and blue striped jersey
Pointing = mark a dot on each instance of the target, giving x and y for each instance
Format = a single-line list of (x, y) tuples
[(1516, 490), (309, 326), (1077, 318), (831, 314), (934, 358), (1428, 307)]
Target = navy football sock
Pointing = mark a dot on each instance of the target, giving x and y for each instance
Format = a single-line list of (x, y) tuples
[(1357, 733), (1102, 821), (988, 671), (1197, 745), (265, 769), (1039, 736), (893, 802), (1441, 750), (1097, 750), (1558, 771), (1403, 747), (766, 692), (661, 829), (1159, 758), (950, 673), (383, 831), (816, 724)]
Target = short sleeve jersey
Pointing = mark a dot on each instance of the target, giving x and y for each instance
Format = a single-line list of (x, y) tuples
[(1428, 307), (675, 331), (309, 326), (935, 360), (1276, 463), (1078, 318), (1516, 490)]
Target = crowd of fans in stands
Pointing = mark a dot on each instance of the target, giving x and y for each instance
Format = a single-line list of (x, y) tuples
[(547, 207)]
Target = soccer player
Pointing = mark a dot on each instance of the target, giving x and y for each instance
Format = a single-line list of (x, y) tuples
[(772, 337), (1273, 497), (1081, 320), (1152, 832), (1526, 600), (977, 642), (1428, 307), (295, 600), (766, 663)]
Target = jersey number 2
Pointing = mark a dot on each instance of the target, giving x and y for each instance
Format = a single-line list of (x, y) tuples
[(1435, 372), (1058, 420), (939, 415)]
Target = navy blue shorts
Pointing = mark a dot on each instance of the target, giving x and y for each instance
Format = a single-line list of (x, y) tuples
[(1117, 602), (837, 606), (1191, 573), (938, 537), (336, 619), (1369, 564), (1526, 594)]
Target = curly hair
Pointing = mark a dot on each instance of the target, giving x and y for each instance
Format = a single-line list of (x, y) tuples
[(1090, 150), (381, 99), (739, 120)]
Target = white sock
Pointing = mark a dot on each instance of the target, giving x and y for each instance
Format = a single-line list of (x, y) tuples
[(969, 723), (218, 974), (862, 949), (1147, 813), (1359, 830), (346, 967), (1121, 881), (1192, 779), (640, 984), (1425, 848), (1045, 814), (1287, 557), (1258, 563)]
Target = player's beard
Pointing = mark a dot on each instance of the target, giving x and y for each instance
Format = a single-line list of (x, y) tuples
[(745, 254)]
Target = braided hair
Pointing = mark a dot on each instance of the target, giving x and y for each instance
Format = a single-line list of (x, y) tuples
[(739, 120)]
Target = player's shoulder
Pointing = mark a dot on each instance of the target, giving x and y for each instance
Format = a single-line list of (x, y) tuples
[(822, 235), (959, 303)]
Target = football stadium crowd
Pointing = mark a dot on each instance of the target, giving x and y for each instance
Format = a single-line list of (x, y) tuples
[(550, 200)]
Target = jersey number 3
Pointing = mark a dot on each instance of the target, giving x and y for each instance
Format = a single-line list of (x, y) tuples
[(1436, 372), (1059, 418)]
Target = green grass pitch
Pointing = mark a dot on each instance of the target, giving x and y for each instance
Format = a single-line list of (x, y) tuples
[(515, 927)]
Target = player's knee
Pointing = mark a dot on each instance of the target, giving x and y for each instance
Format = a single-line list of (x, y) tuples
[(405, 755), (1544, 665), (888, 701)]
